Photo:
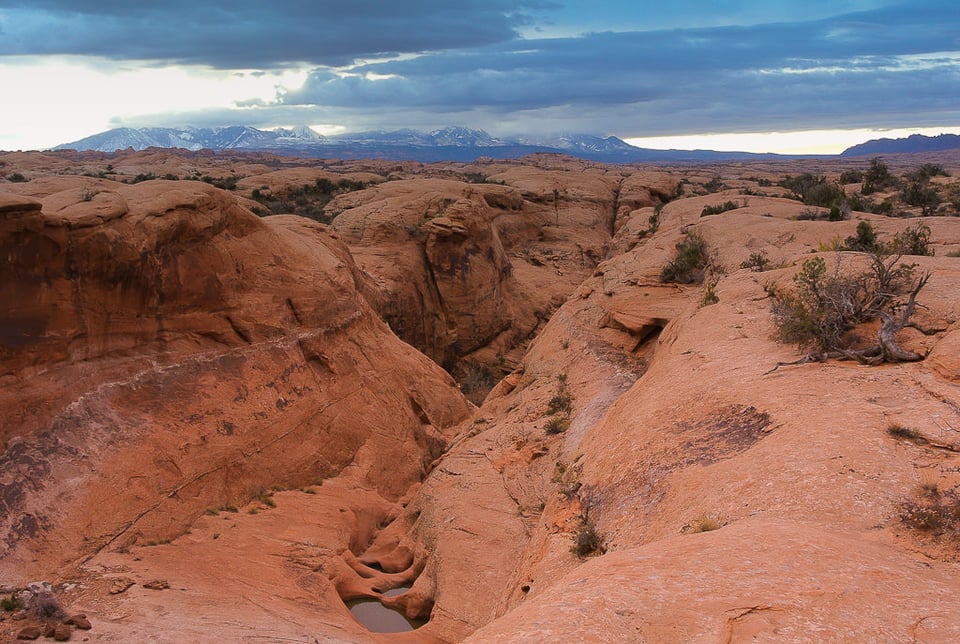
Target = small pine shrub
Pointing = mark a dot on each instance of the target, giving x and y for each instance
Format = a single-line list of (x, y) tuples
[(688, 265), (913, 241)]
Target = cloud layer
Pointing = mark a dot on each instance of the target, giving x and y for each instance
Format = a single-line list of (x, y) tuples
[(624, 67)]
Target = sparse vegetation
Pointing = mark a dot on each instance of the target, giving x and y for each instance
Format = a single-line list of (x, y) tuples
[(932, 510), (10, 603), (690, 261), (851, 176), (557, 425), (710, 295), (308, 200), (476, 380), (902, 432), (877, 178), (266, 498), (16, 177), (562, 401), (560, 406), (224, 183), (719, 208), (824, 307), (704, 523), (757, 262), (586, 541), (864, 241), (914, 240)]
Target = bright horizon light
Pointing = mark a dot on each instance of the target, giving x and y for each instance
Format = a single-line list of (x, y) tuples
[(799, 142), (70, 99)]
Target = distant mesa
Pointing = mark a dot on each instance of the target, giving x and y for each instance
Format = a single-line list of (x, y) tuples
[(446, 144), (912, 143)]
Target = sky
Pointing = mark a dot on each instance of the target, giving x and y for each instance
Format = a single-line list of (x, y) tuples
[(753, 75)]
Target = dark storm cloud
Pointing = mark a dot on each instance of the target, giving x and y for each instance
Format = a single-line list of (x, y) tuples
[(786, 75), (254, 34)]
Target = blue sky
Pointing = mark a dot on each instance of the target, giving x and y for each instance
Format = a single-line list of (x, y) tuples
[(637, 69)]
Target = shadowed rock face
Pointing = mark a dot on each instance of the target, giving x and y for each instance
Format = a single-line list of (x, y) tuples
[(191, 354)]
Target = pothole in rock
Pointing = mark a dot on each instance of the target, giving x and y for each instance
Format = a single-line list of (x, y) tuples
[(378, 618)]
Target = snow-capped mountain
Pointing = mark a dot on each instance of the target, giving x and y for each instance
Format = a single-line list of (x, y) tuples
[(235, 137), (446, 144), (579, 142)]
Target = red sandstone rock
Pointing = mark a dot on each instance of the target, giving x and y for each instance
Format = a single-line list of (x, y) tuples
[(673, 418)]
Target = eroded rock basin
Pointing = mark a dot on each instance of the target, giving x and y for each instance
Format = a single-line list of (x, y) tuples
[(377, 618)]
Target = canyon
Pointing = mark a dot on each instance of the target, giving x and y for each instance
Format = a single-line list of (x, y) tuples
[(468, 381)]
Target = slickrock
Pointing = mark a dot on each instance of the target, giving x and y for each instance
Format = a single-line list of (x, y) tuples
[(198, 395)]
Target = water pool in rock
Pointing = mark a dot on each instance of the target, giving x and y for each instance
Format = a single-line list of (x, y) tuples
[(377, 618)]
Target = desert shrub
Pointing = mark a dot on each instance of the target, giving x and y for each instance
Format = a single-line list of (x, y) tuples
[(851, 176), (932, 511), (10, 603), (704, 523), (877, 177), (308, 200), (901, 431), (929, 170), (16, 177), (586, 541), (826, 195), (224, 183), (689, 263), (714, 185), (653, 222), (557, 425), (562, 400), (918, 193), (476, 381), (913, 241), (824, 306), (266, 498), (865, 240), (719, 208), (757, 262), (710, 295)]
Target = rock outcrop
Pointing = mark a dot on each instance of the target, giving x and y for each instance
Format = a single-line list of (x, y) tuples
[(190, 354), (641, 474)]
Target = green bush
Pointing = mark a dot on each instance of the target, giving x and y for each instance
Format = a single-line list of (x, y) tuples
[(688, 265), (865, 241), (758, 262), (719, 208), (851, 176), (824, 306), (913, 241), (877, 178)]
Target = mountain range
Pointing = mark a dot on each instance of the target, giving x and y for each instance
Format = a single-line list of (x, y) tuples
[(447, 144)]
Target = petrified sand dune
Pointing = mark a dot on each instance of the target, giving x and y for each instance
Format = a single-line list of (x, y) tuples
[(190, 355), (209, 432)]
